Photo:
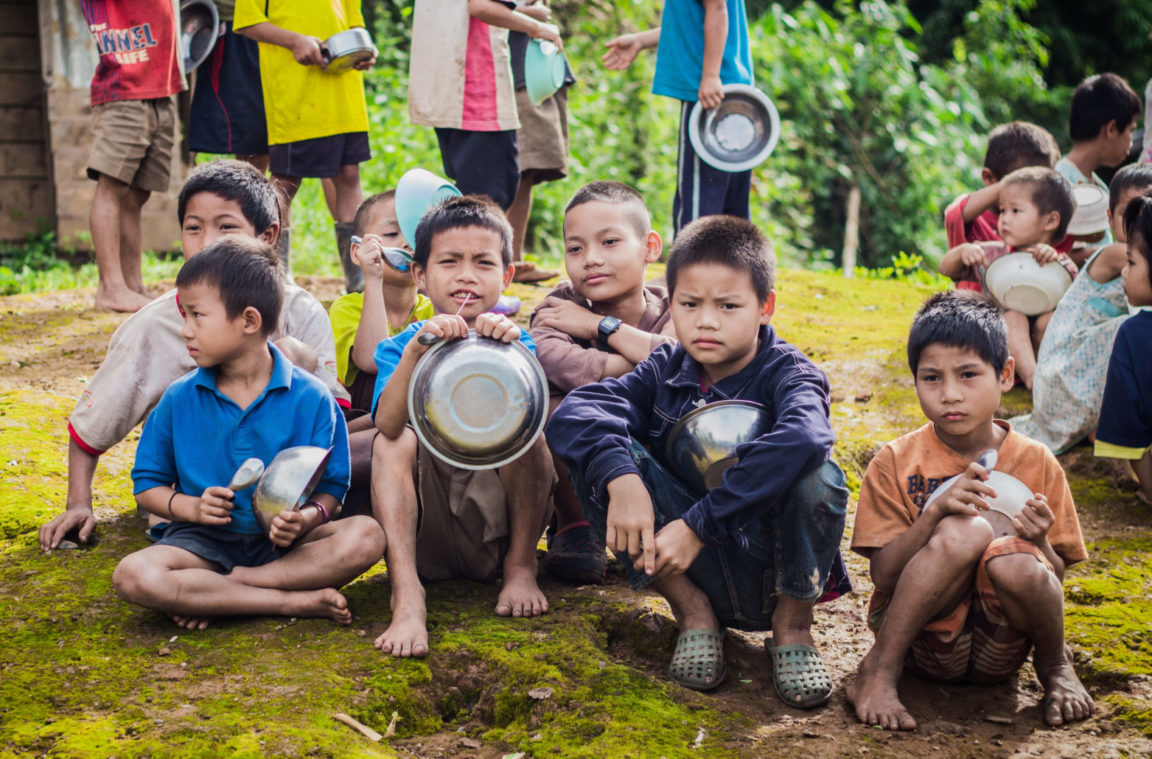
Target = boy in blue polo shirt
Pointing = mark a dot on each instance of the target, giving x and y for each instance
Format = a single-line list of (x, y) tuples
[(246, 400), (759, 550)]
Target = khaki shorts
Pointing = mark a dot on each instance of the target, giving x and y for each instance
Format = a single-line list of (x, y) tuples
[(543, 135), (132, 142)]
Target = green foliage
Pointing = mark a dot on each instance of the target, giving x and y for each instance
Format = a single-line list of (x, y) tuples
[(907, 268)]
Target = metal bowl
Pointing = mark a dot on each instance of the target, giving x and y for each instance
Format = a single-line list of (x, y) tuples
[(1021, 284), (738, 134), (288, 481), (199, 28), (478, 403), (343, 50), (703, 444)]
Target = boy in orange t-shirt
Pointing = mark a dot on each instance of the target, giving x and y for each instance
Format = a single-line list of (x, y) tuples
[(964, 593)]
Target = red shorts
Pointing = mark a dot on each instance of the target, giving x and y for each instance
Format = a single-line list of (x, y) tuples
[(973, 642)]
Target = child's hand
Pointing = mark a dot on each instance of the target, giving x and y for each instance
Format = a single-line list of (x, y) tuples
[(536, 9), (1035, 519), (631, 521), (621, 52), (497, 327), (676, 548), (548, 33), (972, 255), (966, 496), (570, 318), (306, 50), (1043, 253), (286, 527), (711, 92), (215, 506), (368, 255), (440, 327)]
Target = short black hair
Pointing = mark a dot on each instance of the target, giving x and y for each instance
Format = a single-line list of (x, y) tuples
[(1131, 177), (1018, 144), (960, 319), (245, 271), (1051, 191), (364, 210), (726, 240), (237, 181), (1138, 222), (1098, 100), (457, 213), (627, 198)]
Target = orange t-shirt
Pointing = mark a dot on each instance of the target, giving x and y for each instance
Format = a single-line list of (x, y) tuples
[(908, 470)]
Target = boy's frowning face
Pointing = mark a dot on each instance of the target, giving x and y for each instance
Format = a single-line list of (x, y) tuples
[(465, 272), (605, 257), (959, 391), (210, 336), (718, 317), (208, 217), (1021, 224)]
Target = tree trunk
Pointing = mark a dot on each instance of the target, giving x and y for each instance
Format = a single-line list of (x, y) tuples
[(851, 232)]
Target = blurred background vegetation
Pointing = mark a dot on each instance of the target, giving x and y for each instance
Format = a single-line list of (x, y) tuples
[(894, 98)]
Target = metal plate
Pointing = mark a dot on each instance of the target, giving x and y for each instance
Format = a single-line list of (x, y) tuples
[(738, 134)]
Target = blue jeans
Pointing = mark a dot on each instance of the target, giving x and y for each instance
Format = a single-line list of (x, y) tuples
[(789, 546)]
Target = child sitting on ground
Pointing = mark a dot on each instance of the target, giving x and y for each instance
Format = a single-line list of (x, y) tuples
[(245, 400), (962, 595), (442, 521), (1035, 207), (389, 303), (147, 353), (779, 511), (600, 323), (1103, 115), (1073, 359), (1125, 430)]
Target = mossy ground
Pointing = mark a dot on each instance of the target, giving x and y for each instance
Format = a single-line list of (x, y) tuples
[(83, 674)]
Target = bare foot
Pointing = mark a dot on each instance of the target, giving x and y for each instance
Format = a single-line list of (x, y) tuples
[(1065, 699), (326, 602), (408, 633), (875, 698), (520, 596), (124, 300), (191, 623)]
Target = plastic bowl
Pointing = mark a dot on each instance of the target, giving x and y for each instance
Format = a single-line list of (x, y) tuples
[(1011, 493), (417, 192), (478, 403), (1091, 214), (738, 134), (543, 70), (703, 444), (1021, 284), (199, 28), (288, 481)]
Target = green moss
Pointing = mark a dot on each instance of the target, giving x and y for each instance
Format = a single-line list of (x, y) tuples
[(1108, 607), (1138, 714)]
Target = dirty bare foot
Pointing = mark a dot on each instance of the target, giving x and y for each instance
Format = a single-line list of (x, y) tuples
[(1065, 698), (191, 623), (876, 700), (520, 596), (326, 602), (408, 633), (123, 299)]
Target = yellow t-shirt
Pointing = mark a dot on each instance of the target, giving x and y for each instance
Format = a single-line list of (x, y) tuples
[(306, 102), (345, 317)]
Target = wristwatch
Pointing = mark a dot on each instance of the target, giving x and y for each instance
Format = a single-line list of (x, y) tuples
[(608, 325)]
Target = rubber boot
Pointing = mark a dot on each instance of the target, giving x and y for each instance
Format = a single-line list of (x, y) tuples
[(283, 248), (353, 276)]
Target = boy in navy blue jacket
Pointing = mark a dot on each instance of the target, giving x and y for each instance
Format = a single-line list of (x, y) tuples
[(758, 551)]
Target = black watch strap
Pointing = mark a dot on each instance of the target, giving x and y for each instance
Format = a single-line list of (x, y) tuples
[(608, 325)]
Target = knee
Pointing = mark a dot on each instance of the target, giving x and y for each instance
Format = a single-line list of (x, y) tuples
[(364, 540), (821, 492), (132, 578), (963, 538), (1020, 574), (388, 453)]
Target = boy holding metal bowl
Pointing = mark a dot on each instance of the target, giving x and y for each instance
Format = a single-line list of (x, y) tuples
[(758, 550), (445, 521)]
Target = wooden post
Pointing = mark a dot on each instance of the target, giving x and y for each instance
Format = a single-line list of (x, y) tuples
[(851, 232)]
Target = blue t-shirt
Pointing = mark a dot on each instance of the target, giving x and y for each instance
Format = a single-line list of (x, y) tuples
[(197, 437), (680, 54), (388, 354)]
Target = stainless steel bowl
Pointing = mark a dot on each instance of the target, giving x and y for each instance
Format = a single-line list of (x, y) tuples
[(288, 481), (343, 50), (199, 29), (738, 134), (478, 403), (702, 445)]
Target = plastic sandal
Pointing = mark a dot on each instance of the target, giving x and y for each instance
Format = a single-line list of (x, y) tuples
[(698, 661), (799, 675)]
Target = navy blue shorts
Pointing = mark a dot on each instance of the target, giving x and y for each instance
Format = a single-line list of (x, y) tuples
[(702, 189), (227, 113), (319, 157), (481, 163), (228, 549)]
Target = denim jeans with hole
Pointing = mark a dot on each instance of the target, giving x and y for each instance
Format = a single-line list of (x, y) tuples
[(789, 546)]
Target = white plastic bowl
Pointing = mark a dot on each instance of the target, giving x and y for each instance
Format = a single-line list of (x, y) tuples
[(1091, 214), (1020, 284), (1011, 493)]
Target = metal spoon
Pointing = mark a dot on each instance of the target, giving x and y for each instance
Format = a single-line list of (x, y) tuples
[(988, 459), (247, 475), (398, 258)]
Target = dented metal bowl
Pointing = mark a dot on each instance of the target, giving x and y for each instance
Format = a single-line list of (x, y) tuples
[(199, 29), (288, 482), (344, 50), (703, 444), (738, 134)]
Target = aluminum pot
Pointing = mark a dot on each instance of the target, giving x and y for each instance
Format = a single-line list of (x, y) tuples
[(703, 444), (288, 481), (478, 403), (343, 50), (199, 29)]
